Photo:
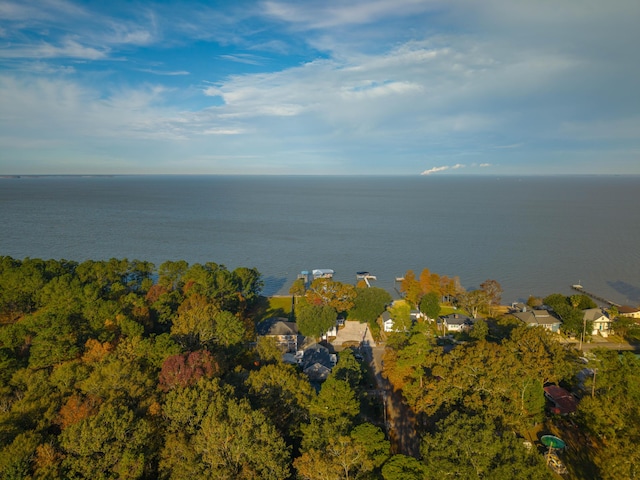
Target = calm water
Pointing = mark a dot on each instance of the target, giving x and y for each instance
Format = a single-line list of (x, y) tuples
[(535, 235)]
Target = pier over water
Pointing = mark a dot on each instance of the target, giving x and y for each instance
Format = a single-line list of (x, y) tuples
[(579, 288)]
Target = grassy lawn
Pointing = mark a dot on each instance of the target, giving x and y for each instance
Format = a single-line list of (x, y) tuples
[(448, 309), (268, 307)]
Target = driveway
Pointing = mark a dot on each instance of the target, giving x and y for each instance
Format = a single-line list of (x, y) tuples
[(353, 332)]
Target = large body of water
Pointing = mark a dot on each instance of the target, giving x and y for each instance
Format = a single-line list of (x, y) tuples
[(535, 235)]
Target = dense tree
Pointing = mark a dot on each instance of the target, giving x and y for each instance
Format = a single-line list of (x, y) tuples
[(111, 444), (20, 283), (430, 305), (403, 467), (473, 449), (572, 316), (229, 330), (314, 320), (369, 304), (480, 330), (610, 412), (332, 413), (249, 285), (353, 456), (282, 395), (408, 365), (195, 323), (426, 283), (348, 368), (93, 383), (238, 443), (56, 338)]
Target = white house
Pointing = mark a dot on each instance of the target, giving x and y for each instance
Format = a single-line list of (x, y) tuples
[(387, 322), (456, 322), (600, 319), (627, 311)]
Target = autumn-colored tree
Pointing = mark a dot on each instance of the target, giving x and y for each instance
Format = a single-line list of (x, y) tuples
[(450, 288), (77, 408), (324, 291), (411, 288), (186, 369), (425, 281)]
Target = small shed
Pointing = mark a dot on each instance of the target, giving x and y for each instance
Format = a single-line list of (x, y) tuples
[(563, 402)]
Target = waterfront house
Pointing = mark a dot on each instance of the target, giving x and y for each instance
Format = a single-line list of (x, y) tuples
[(600, 319), (627, 311), (389, 325), (539, 318), (457, 322), (285, 333)]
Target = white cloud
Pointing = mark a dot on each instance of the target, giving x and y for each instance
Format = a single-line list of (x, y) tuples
[(412, 79), (435, 170), (68, 49)]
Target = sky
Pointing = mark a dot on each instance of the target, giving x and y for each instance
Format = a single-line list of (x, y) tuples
[(372, 87)]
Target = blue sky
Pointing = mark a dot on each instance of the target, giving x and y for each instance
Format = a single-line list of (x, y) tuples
[(373, 87)]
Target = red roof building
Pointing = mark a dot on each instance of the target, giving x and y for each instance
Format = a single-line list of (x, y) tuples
[(562, 400)]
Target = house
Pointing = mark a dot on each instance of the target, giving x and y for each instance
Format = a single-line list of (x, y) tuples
[(316, 362), (519, 307), (387, 322), (563, 402), (600, 319), (286, 333), (332, 332), (456, 322), (390, 325), (627, 311), (539, 318)]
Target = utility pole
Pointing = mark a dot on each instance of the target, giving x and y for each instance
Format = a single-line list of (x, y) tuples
[(584, 328), (593, 386)]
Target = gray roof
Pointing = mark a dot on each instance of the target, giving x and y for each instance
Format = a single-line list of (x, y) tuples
[(316, 353), (457, 319), (537, 317), (317, 372), (592, 314), (277, 326)]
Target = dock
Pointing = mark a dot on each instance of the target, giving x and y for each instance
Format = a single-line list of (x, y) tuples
[(579, 288)]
